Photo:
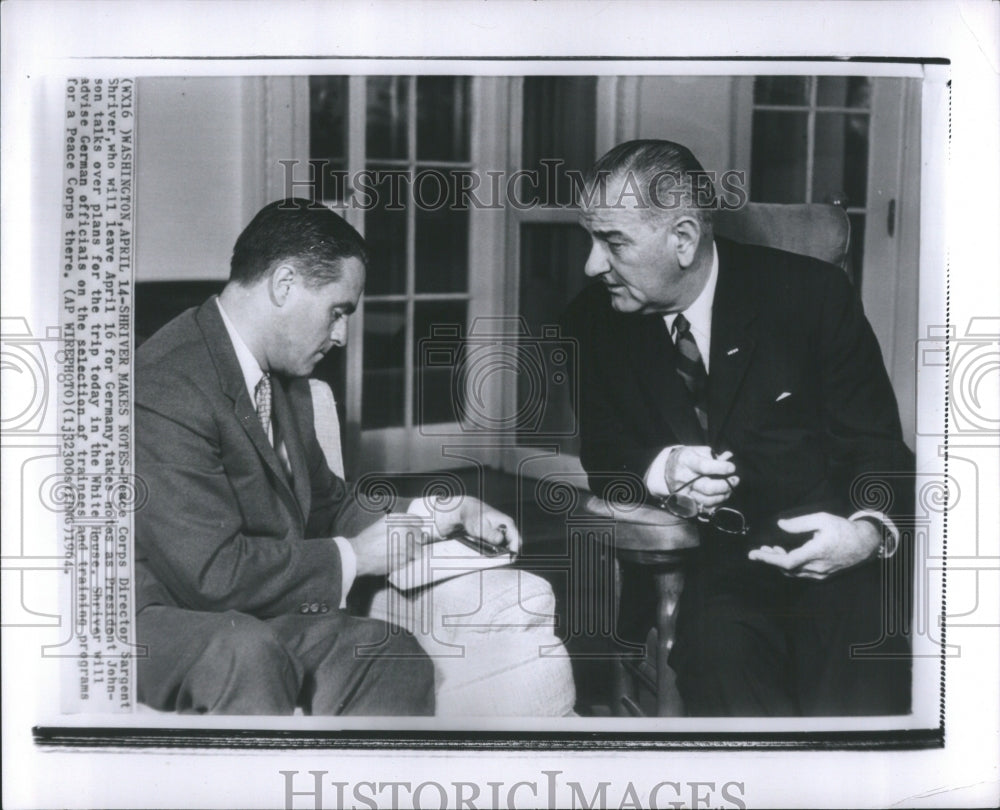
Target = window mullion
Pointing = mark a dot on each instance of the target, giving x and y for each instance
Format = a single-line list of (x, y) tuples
[(411, 240), (811, 139), (356, 157)]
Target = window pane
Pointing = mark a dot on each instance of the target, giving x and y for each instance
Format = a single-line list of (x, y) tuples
[(385, 123), (442, 233), (778, 170), (843, 91), (443, 113), (383, 376), (559, 124), (439, 349), (841, 159), (385, 230), (328, 117), (327, 138), (552, 260), (781, 90)]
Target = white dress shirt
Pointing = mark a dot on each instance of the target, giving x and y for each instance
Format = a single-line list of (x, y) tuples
[(252, 374)]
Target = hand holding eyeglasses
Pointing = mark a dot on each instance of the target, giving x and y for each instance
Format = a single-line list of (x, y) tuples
[(699, 481), (704, 477)]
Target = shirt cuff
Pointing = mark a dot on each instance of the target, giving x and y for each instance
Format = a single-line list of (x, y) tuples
[(888, 547), (656, 475), (348, 567)]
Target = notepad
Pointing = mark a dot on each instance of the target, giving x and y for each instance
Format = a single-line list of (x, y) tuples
[(441, 560)]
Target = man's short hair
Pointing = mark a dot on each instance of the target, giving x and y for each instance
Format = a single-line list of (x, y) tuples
[(667, 177), (311, 236)]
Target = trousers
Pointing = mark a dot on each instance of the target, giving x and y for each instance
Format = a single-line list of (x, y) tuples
[(234, 663), (753, 642)]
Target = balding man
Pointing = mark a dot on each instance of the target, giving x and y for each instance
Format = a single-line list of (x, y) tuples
[(745, 386)]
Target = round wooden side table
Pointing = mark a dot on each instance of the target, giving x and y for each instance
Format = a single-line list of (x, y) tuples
[(661, 542)]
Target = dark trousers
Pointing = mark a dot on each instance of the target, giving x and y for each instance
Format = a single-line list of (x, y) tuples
[(753, 642), (233, 663)]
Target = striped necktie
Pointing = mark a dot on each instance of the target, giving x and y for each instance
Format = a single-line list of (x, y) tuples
[(262, 399), (691, 368)]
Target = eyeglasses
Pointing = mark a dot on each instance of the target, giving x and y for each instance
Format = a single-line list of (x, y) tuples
[(724, 518)]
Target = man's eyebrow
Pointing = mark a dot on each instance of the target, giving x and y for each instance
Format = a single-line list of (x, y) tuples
[(347, 307), (610, 233)]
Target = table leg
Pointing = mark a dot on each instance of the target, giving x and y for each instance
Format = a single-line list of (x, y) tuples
[(669, 583)]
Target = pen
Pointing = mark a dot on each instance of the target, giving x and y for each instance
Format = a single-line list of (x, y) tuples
[(484, 547)]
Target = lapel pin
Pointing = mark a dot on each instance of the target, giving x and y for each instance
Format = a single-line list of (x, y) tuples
[(732, 351)]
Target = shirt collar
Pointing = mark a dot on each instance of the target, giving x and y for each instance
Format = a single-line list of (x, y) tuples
[(699, 314), (252, 372)]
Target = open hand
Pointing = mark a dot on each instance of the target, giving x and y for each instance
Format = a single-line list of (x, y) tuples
[(836, 544)]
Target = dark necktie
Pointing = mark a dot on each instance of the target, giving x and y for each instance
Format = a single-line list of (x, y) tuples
[(262, 399), (691, 368)]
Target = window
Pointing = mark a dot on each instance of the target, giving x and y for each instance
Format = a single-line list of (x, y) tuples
[(416, 137), (559, 115), (811, 144)]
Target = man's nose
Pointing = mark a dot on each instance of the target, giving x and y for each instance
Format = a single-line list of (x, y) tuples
[(597, 262), (338, 335)]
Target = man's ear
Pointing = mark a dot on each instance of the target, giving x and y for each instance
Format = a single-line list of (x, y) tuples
[(280, 283), (687, 231)]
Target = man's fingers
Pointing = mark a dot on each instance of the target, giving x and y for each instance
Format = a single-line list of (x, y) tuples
[(804, 523), (700, 461), (710, 501), (502, 532), (800, 556), (772, 555), (715, 486), (709, 466), (785, 560)]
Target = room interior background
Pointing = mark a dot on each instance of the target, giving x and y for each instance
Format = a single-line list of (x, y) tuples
[(212, 151)]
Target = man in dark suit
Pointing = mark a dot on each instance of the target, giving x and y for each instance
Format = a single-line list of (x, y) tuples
[(248, 543), (746, 388)]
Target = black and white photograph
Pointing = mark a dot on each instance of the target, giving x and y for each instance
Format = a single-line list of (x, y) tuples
[(412, 417)]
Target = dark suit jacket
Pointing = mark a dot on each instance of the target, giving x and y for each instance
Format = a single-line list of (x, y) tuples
[(224, 528), (797, 388)]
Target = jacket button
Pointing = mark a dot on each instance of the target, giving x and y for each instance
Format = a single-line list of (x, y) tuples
[(314, 607), (304, 607), (324, 608)]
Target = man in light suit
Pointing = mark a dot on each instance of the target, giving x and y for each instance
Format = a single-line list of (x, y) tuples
[(248, 544), (746, 388)]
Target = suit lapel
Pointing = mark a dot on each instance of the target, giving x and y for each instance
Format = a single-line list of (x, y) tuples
[(652, 354), (234, 386), (734, 312)]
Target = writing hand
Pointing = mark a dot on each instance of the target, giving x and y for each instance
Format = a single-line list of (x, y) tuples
[(479, 520), (381, 549), (836, 544)]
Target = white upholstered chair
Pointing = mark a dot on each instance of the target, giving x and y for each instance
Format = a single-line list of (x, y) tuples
[(490, 634)]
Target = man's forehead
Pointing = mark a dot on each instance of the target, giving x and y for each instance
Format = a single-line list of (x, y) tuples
[(612, 201), (609, 216), (346, 290)]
